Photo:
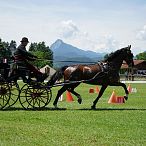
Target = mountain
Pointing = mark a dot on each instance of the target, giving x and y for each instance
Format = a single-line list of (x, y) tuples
[(65, 52)]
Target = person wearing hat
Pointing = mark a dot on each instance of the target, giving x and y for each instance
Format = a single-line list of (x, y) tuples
[(22, 58)]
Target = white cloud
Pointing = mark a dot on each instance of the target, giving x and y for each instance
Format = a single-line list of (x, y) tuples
[(141, 35), (68, 29), (110, 43), (71, 33)]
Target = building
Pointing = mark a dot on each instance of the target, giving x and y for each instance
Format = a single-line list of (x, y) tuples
[(139, 66), (49, 70), (138, 69)]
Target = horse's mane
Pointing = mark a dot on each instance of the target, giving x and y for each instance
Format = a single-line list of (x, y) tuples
[(113, 55)]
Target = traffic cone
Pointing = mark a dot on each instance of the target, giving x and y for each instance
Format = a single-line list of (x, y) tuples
[(91, 90), (69, 97), (120, 99), (129, 88), (97, 89), (113, 98)]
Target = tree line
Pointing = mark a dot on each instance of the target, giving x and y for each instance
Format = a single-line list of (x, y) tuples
[(43, 52)]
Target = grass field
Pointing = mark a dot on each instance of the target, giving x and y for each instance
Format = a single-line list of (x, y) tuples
[(77, 125)]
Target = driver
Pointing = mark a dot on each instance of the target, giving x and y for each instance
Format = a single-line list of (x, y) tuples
[(22, 58)]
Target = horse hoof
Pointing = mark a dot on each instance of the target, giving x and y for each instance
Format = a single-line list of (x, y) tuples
[(93, 107), (125, 97), (79, 100)]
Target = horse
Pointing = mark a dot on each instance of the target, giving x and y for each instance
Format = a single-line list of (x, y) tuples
[(104, 73)]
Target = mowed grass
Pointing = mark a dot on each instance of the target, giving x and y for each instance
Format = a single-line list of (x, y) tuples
[(78, 125)]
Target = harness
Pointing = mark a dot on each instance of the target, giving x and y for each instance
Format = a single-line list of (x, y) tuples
[(104, 66)]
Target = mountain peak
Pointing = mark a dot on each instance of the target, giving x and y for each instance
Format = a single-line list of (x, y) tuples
[(57, 44), (59, 41)]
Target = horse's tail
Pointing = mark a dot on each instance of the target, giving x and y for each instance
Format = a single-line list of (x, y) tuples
[(57, 76)]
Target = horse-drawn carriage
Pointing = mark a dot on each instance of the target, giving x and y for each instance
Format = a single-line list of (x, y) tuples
[(37, 95)]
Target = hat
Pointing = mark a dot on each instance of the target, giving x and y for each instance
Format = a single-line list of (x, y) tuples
[(24, 39)]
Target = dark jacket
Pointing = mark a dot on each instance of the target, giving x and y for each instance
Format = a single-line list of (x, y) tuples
[(22, 56)]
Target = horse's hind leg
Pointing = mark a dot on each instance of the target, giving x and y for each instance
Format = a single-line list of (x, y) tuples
[(99, 95), (77, 95), (60, 92)]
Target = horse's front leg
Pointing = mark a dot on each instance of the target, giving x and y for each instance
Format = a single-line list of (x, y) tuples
[(124, 86), (99, 95)]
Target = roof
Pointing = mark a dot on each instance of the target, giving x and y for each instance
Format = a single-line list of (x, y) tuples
[(136, 63), (52, 70)]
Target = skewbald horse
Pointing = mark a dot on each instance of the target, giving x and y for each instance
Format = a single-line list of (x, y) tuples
[(104, 73)]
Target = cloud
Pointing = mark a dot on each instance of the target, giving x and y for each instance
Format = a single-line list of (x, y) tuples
[(72, 34), (68, 29), (141, 35), (109, 43)]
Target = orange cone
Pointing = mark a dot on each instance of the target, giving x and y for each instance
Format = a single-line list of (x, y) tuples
[(69, 97), (97, 89), (91, 90), (120, 99), (113, 98), (129, 88)]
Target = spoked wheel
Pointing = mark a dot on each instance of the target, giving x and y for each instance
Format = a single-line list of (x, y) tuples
[(35, 96), (5, 93), (14, 87)]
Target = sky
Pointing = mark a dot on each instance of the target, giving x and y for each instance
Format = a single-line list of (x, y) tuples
[(96, 25)]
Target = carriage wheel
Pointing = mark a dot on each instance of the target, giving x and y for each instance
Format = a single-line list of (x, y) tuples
[(35, 96), (5, 93), (22, 98), (14, 87)]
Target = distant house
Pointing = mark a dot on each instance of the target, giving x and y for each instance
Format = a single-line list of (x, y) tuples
[(138, 69), (47, 69), (138, 65)]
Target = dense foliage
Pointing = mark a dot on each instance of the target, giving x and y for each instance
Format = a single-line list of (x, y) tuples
[(141, 56), (43, 52), (5, 50)]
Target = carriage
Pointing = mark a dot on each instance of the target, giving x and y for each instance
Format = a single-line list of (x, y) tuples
[(37, 95), (31, 95)]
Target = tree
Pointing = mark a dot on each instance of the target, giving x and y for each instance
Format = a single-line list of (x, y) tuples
[(44, 54), (33, 47), (141, 56), (5, 53), (12, 46)]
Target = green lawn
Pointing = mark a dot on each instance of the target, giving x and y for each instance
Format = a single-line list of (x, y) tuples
[(77, 125)]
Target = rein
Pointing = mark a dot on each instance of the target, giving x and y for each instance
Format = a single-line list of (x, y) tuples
[(55, 61)]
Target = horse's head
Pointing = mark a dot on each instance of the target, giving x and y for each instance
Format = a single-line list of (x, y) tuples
[(128, 56)]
